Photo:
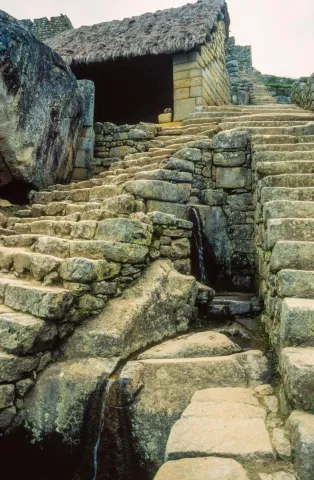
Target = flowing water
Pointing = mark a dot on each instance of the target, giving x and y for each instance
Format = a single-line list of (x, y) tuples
[(199, 243), (101, 425)]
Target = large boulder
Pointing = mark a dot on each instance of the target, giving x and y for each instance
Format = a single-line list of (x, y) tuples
[(41, 109)]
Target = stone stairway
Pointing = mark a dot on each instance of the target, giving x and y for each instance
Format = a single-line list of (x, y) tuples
[(84, 252)]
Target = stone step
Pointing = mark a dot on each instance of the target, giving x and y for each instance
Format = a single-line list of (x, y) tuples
[(287, 180), (306, 139), (250, 108), (90, 249), (82, 195), (207, 468), (260, 124), (282, 156), (293, 229), (266, 169), (231, 416), (13, 368), (287, 209), (283, 193), (128, 323), (23, 334), (233, 304), (295, 283), (273, 117), (49, 303), (284, 147), (294, 255), (300, 427), (297, 322), (25, 263), (193, 345), (165, 175), (119, 230), (297, 370), (273, 140)]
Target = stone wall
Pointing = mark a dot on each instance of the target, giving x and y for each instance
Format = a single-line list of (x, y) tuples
[(43, 28), (303, 92), (238, 61), (113, 143), (200, 77), (279, 87), (243, 54)]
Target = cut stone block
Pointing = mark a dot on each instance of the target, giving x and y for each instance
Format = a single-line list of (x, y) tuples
[(124, 230), (300, 427), (297, 322), (296, 283), (135, 319), (13, 368), (242, 439), (231, 177), (203, 344), (202, 469), (294, 229), (158, 190), (22, 334), (288, 209), (297, 370), (292, 255)]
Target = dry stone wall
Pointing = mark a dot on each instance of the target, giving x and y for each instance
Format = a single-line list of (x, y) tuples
[(303, 92), (238, 61), (113, 143), (43, 28), (200, 77)]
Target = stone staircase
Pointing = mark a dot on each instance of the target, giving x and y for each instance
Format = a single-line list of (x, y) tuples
[(84, 252)]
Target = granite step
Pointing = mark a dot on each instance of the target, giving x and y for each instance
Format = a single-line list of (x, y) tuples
[(259, 140), (287, 180), (236, 422), (286, 193), (297, 322), (67, 248), (300, 428), (266, 169), (260, 124), (291, 229), (295, 283), (49, 303), (13, 367), (270, 156), (296, 255), (297, 370), (287, 209), (23, 334), (284, 147)]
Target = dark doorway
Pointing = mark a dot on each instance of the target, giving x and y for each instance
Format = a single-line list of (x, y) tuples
[(130, 90)]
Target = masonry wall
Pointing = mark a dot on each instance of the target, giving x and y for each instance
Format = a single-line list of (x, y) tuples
[(200, 77), (303, 92), (43, 28)]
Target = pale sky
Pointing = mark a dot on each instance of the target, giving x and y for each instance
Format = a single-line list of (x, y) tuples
[(281, 32)]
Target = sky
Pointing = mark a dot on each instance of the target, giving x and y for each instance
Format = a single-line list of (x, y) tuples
[(281, 32)]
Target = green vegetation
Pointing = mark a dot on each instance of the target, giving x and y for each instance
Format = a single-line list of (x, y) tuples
[(279, 85)]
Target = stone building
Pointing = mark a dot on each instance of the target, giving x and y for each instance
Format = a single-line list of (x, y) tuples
[(43, 28), (142, 65)]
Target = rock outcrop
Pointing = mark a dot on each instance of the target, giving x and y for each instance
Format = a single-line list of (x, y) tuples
[(41, 110)]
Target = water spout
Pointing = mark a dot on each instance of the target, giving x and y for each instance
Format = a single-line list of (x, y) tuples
[(198, 239), (101, 425)]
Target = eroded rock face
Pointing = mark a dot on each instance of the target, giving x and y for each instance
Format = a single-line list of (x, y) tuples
[(41, 110)]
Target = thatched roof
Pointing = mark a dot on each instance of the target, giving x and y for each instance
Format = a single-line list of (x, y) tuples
[(163, 32)]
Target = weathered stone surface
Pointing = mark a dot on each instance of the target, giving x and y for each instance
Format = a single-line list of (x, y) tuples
[(296, 283), (137, 318), (297, 369), (7, 394), (297, 322), (124, 230), (161, 396), (281, 443), (41, 109), (6, 416), (229, 159), (203, 344), (236, 177), (60, 398), (86, 271), (13, 368), (202, 469), (158, 190), (22, 334), (300, 427), (179, 211)]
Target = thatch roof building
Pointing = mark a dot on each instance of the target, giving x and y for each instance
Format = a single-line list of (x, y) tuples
[(148, 43)]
